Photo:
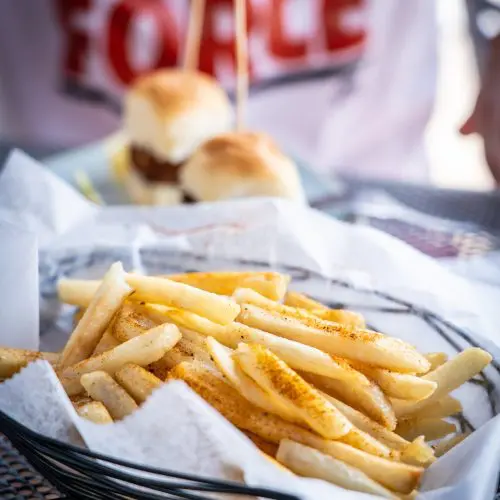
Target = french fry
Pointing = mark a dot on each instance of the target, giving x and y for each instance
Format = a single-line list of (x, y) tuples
[(276, 377), (448, 377), (418, 452), (241, 413), (77, 316), (447, 444), (131, 320), (445, 407), (163, 291), (265, 446), (137, 381), (13, 360), (245, 385), (270, 284), (101, 387), (298, 356), (398, 385), (94, 411), (366, 424), (141, 350), (107, 342), (309, 462), (370, 400), (430, 428), (103, 306), (302, 301), (348, 318), (362, 345), (436, 359), (77, 292)]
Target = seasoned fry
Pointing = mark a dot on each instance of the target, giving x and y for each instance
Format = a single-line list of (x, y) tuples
[(398, 385), (77, 292), (368, 399), (131, 320), (362, 345), (101, 387), (418, 452), (276, 377), (103, 306), (445, 407), (270, 284), (142, 350), (106, 343), (447, 444), (240, 412), (436, 359), (94, 411), (366, 424), (430, 428), (163, 291), (137, 381), (348, 318), (13, 360), (302, 301), (449, 377), (309, 462), (265, 446), (298, 356)]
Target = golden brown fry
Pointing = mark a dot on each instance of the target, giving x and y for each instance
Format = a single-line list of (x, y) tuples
[(131, 320), (211, 387), (309, 462), (436, 359), (448, 377), (137, 381), (370, 400), (101, 387), (270, 284), (103, 306), (398, 385), (447, 444), (246, 386), (276, 377), (302, 301), (430, 428), (298, 356), (348, 318), (107, 342), (78, 315), (13, 360), (94, 411), (362, 345), (142, 350), (265, 446), (418, 452)]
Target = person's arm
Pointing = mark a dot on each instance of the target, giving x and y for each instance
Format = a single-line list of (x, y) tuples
[(485, 119)]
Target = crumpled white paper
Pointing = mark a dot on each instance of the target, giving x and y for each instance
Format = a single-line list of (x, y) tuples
[(400, 291)]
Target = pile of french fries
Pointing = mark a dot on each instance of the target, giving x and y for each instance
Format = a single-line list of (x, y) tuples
[(310, 386)]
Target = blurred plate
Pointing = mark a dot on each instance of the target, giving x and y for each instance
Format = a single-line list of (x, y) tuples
[(93, 160)]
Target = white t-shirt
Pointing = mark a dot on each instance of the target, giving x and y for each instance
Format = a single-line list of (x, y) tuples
[(343, 84)]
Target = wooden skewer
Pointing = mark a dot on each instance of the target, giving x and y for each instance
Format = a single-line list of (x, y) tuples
[(241, 62), (195, 28)]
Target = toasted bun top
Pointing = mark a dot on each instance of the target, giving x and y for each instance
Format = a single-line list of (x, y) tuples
[(172, 111), (240, 164)]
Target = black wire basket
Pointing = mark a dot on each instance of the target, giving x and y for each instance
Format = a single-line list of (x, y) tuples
[(82, 474)]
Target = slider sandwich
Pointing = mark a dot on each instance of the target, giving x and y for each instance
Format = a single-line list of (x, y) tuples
[(167, 115), (240, 165)]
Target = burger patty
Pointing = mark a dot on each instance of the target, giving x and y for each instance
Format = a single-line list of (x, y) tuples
[(155, 170)]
